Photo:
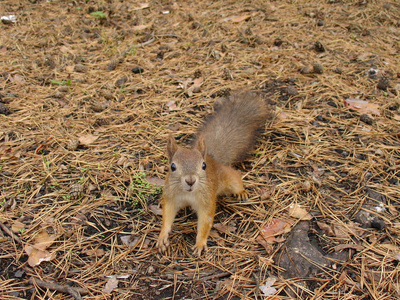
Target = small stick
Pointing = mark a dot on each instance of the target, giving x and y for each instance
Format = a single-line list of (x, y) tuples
[(215, 276), (10, 233), (74, 292)]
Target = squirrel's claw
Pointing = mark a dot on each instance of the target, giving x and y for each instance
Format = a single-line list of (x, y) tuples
[(242, 195), (197, 249), (162, 244)]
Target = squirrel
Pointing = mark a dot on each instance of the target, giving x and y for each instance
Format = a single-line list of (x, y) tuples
[(198, 175)]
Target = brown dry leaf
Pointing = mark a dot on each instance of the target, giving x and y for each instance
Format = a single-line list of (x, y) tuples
[(141, 27), (390, 247), (267, 288), (341, 247), (237, 19), (276, 227), (155, 181), (130, 240), (11, 156), (17, 79), (299, 213), (112, 283), (94, 252), (142, 6), (174, 126), (341, 232), (224, 228), (122, 160), (282, 115), (87, 139), (195, 87), (17, 226), (155, 209), (172, 106), (269, 232), (362, 106), (146, 243), (43, 240), (69, 69), (36, 256), (217, 238), (326, 228)]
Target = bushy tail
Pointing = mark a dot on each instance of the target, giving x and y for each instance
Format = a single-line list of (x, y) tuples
[(230, 133)]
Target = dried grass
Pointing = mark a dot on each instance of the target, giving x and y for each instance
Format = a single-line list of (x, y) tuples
[(316, 142)]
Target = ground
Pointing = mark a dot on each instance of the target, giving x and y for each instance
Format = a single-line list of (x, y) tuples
[(90, 91)]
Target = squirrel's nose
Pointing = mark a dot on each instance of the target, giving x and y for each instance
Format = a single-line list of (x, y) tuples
[(190, 181)]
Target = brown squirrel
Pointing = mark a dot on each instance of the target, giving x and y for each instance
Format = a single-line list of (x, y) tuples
[(199, 174)]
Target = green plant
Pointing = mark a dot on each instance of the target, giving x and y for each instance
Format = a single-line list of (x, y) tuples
[(46, 162), (58, 82), (141, 190), (98, 14)]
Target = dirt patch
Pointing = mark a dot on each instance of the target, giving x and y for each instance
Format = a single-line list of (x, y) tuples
[(89, 92)]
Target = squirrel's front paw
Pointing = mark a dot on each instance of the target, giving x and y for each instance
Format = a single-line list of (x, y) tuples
[(242, 195), (162, 243), (198, 248)]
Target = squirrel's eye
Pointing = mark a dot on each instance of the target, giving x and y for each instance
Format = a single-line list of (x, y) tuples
[(203, 166), (173, 167)]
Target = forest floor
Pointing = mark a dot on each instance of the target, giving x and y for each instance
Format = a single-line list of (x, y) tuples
[(90, 91)]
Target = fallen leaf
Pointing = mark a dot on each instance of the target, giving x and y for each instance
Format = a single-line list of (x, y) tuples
[(172, 106), (390, 247), (237, 19), (87, 139), (94, 252), (141, 6), (141, 27), (224, 228), (36, 256), (396, 117), (146, 244), (17, 79), (111, 284), (267, 288), (269, 232), (299, 213), (276, 227), (43, 240), (217, 238), (174, 127), (122, 160), (341, 232), (155, 181), (195, 87), (69, 69), (327, 229), (130, 240), (362, 106), (341, 247), (155, 209), (17, 226)]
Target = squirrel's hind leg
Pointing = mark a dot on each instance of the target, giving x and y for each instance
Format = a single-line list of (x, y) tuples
[(232, 183)]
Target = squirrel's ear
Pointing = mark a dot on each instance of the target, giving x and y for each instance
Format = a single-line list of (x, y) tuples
[(171, 146), (201, 145)]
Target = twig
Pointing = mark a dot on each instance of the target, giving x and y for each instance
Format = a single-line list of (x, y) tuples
[(10, 233), (215, 276), (74, 292), (147, 42)]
